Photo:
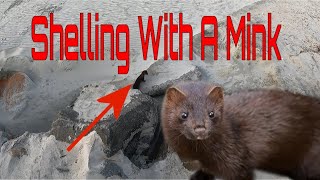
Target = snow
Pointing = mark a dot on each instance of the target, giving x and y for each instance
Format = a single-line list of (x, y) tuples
[(58, 81), (46, 157)]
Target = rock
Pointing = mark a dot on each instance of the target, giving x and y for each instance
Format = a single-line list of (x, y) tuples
[(15, 95), (135, 131), (50, 159), (18, 152), (163, 74), (87, 160), (169, 168), (3, 138), (18, 63), (3, 84), (14, 61), (4, 76), (111, 169)]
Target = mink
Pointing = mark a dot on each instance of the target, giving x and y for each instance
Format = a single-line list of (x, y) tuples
[(230, 136), (139, 80)]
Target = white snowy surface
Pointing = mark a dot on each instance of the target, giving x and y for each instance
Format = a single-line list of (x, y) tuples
[(87, 105), (57, 80), (46, 157)]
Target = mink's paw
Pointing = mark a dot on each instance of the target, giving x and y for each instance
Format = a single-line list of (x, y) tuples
[(201, 175)]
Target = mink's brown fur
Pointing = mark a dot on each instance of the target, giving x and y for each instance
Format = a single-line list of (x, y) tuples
[(271, 130)]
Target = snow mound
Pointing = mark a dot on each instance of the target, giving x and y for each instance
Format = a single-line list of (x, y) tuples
[(46, 157)]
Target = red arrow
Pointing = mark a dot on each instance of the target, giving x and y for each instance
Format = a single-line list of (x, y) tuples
[(116, 100)]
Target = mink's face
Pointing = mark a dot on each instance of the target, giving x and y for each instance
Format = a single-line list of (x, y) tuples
[(195, 111)]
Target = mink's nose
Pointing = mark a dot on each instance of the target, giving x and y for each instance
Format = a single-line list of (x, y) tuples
[(199, 130)]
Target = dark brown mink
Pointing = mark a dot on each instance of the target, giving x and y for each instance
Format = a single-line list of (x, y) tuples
[(140, 79), (231, 136)]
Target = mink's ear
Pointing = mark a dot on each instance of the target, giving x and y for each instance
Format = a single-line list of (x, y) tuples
[(175, 95), (216, 95)]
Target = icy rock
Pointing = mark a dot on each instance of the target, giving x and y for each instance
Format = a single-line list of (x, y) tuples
[(163, 74), (3, 138), (4, 76), (136, 130), (25, 64), (169, 168), (46, 157), (111, 169), (15, 91), (49, 158), (3, 84), (18, 63)]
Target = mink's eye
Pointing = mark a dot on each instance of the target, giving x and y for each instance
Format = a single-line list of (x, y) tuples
[(211, 115), (184, 115)]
